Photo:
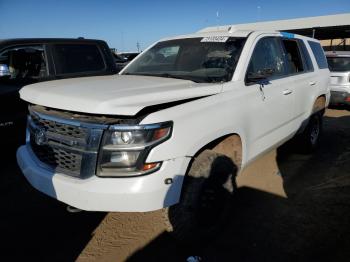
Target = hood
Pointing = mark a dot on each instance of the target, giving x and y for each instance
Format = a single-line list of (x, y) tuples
[(115, 94)]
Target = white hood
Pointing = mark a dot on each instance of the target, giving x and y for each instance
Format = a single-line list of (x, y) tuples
[(113, 95)]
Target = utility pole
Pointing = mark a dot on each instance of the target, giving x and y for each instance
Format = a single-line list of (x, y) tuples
[(138, 46)]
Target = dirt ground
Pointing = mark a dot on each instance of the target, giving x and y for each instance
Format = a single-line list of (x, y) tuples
[(303, 216)]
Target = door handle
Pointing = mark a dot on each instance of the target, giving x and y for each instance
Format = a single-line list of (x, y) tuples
[(312, 83), (287, 92)]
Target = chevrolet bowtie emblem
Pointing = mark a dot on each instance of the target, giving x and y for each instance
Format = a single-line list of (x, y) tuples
[(40, 137)]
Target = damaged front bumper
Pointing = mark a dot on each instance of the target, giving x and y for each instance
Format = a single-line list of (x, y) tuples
[(134, 194)]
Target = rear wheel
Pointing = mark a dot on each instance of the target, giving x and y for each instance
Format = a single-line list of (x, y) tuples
[(206, 198), (310, 138)]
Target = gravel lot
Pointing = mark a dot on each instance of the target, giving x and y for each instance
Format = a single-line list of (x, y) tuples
[(303, 216)]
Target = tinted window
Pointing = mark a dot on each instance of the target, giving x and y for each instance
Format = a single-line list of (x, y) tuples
[(339, 64), (77, 58), (319, 54), (198, 59), (306, 56), (23, 64), (267, 56), (293, 57)]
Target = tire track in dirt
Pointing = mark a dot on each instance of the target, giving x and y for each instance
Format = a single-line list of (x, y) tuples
[(121, 234)]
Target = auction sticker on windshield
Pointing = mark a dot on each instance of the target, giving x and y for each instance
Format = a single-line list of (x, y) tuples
[(220, 39)]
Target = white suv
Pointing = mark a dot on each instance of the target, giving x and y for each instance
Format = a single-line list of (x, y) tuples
[(339, 65), (172, 130)]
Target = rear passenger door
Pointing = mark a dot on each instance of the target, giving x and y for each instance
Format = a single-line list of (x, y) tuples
[(301, 79)]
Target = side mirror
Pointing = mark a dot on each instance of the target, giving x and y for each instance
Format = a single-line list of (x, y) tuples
[(260, 76), (4, 70)]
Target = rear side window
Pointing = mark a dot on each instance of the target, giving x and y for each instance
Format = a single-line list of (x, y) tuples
[(306, 56), (319, 54), (339, 64), (77, 58), (293, 56)]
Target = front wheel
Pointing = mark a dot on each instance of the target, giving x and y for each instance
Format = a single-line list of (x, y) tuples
[(205, 200)]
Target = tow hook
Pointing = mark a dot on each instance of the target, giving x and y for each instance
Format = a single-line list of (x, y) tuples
[(71, 209)]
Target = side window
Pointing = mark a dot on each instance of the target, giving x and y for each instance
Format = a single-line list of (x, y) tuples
[(307, 59), (77, 58), (267, 57), (319, 54), (23, 64), (293, 56)]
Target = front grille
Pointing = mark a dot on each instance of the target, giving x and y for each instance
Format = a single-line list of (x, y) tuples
[(63, 145), (58, 159), (59, 128)]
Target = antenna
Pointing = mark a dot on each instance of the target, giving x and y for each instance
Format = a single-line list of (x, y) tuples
[(259, 12), (217, 19)]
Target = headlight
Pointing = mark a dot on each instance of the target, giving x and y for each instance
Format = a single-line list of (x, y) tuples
[(125, 149)]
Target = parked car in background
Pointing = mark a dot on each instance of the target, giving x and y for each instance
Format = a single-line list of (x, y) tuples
[(28, 61), (122, 59), (339, 65)]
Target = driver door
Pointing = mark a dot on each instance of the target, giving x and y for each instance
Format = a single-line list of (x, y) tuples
[(25, 64), (271, 99)]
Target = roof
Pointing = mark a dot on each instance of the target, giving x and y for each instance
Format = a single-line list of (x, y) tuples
[(238, 33), (321, 27)]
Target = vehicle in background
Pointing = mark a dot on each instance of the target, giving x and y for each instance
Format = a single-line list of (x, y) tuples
[(339, 65), (28, 61), (122, 59)]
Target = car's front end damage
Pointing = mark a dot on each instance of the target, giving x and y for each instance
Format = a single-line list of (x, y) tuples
[(98, 163)]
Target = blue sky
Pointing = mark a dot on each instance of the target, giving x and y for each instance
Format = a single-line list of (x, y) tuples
[(124, 23)]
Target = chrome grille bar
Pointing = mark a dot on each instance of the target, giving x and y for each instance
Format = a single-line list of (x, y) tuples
[(65, 145)]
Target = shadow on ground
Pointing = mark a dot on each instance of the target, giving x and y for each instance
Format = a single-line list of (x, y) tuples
[(34, 226), (312, 224)]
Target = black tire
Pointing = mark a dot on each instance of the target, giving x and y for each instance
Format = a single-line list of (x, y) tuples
[(205, 200), (310, 138)]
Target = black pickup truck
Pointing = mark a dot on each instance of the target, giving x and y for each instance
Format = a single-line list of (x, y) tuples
[(27, 61)]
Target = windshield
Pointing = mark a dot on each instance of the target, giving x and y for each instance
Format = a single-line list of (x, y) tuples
[(339, 64), (204, 60)]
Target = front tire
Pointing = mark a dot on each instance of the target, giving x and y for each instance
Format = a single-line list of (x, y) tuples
[(205, 200)]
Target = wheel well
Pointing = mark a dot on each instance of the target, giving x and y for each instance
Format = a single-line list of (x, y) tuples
[(222, 145), (319, 105), (229, 145)]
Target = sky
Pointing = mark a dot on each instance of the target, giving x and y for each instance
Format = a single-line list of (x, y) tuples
[(123, 24)]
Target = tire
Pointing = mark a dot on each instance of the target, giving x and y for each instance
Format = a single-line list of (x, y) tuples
[(205, 200), (310, 138)]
